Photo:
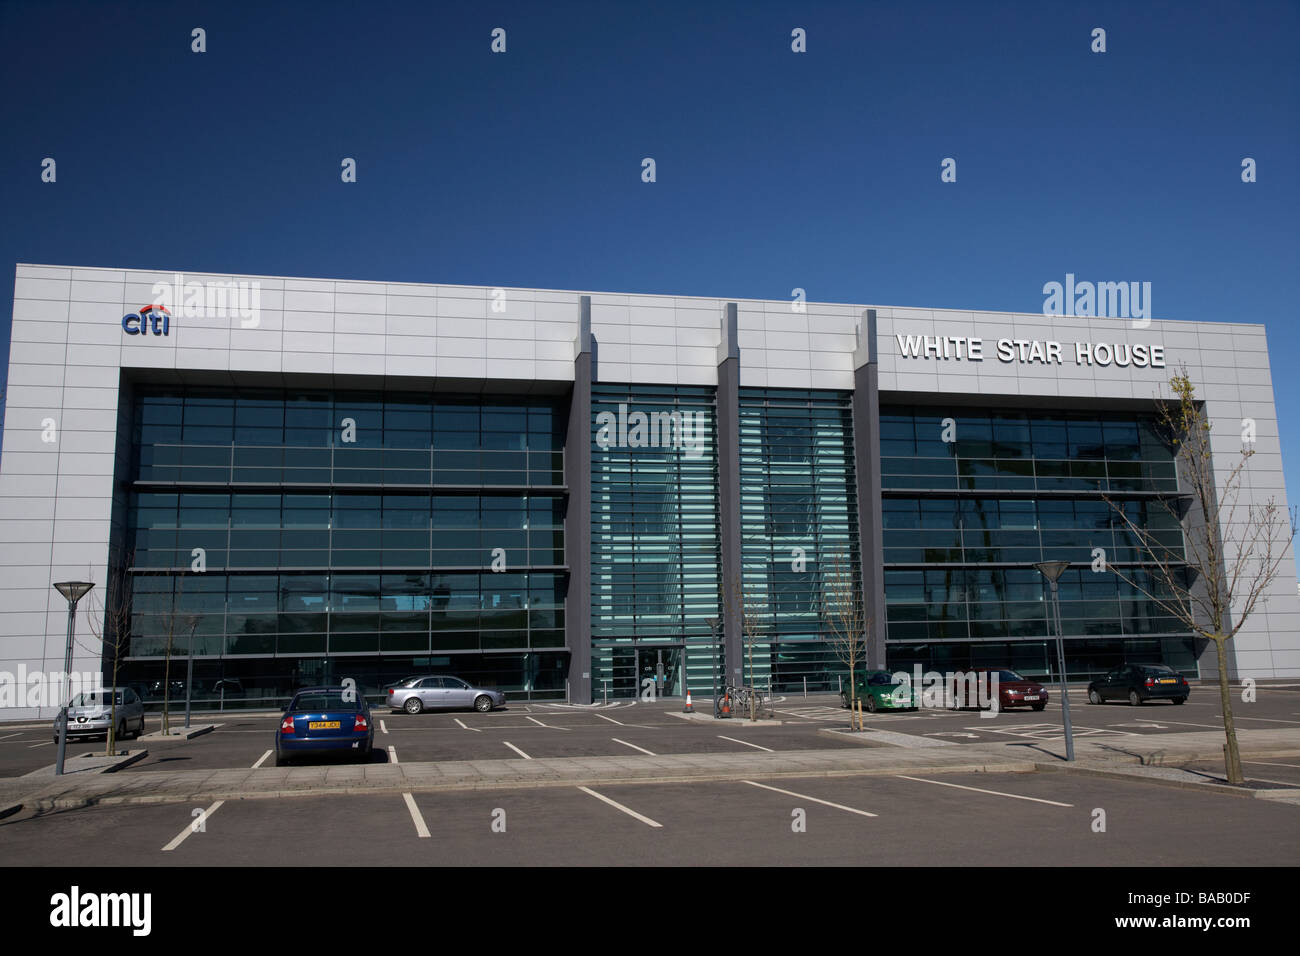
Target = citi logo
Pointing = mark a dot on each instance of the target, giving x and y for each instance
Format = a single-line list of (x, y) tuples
[(152, 318), (74, 908)]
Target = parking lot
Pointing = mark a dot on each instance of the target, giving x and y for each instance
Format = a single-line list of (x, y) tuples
[(534, 730), (892, 821)]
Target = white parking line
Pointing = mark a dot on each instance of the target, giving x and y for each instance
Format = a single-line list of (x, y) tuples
[(7, 736), (42, 744), (633, 746), (180, 837), (516, 750), (475, 729), (1271, 720), (261, 760), (383, 727), (392, 754), (610, 719), (1265, 763), (996, 793), (535, 720), (420, 829), (618, 806), (804, 796), (747, 744)]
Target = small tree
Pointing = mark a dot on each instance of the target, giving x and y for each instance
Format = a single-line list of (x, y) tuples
[(109, 618), (750, 613), (841, 609), (1229, 556)]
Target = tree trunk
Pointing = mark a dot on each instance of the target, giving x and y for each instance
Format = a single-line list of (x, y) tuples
[(1231, 753)]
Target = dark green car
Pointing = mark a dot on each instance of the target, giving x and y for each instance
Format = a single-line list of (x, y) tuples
[(878, 691)]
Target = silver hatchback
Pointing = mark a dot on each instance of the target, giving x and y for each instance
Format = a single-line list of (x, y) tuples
[(440, 693), (91, 714)]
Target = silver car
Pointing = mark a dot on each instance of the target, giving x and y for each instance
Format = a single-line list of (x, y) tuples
[(91, 714), (441, 692)]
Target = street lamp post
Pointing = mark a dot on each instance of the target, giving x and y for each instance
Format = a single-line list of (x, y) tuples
[(1052, 571), (72, 591)]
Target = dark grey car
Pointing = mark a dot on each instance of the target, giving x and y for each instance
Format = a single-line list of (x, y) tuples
[(441, 692)]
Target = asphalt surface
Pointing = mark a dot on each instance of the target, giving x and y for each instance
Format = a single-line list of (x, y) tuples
[(546, 730), (954, 820)]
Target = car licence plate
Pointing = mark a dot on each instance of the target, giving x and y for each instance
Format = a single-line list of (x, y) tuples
[(323, 725), (1166, 680), (1031, 697)]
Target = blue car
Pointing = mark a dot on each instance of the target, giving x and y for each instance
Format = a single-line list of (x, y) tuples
[(324, 720)]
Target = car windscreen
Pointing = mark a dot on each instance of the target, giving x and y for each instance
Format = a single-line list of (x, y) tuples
[(1162, 669), (323, 700), (1009, 676), (104, 699)]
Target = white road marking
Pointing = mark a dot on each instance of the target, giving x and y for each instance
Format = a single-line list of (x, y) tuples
[(261, 760), (618, 806), (996, 793), (1265, 763), (420, 829), (610, 719), (747, 744), (804, 796), (1271, 720), (516, 750), (536, 721), (42, 744), (189, 828), (392, 754), (7, 736), (633, 746), (1183, 723), (383, 727), (475, 729)]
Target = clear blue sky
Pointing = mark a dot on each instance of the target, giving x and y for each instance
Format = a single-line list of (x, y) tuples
[(775, 170)]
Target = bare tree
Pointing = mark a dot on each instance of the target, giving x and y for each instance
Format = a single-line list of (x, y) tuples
[(1229, 551), (841, 609), (750, 613), (109, 619)]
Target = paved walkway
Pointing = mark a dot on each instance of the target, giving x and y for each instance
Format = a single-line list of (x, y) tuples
[(1147, 757)]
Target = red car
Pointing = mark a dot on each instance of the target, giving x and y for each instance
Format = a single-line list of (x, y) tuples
[(1012, 690)]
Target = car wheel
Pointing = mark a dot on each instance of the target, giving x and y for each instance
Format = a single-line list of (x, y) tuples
[(1133, 698), (121, 732), (1180, 700), (844, 700), (1093, 696), (413, 705), (483, 703), (871, 703), (280, 759), (139, 730), (1039, 706)]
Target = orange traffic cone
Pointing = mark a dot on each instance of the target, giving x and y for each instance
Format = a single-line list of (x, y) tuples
[(688, 709), (726, 705)]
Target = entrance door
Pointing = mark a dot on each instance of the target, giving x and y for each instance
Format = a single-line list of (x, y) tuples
[(661, 666)]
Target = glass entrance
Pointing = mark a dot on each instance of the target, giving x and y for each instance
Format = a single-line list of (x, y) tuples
[(659, 670)]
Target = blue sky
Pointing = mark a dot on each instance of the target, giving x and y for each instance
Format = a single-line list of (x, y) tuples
[(775, 170)]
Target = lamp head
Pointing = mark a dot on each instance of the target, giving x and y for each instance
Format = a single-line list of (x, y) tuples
[(74, 591)]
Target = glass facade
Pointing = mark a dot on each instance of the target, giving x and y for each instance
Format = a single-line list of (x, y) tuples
[(313, 535), (972, 498), (655, 561), (799, 523)]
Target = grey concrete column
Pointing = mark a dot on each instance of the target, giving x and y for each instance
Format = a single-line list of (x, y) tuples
[(728, 439), (577, 514), (866, 451)]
